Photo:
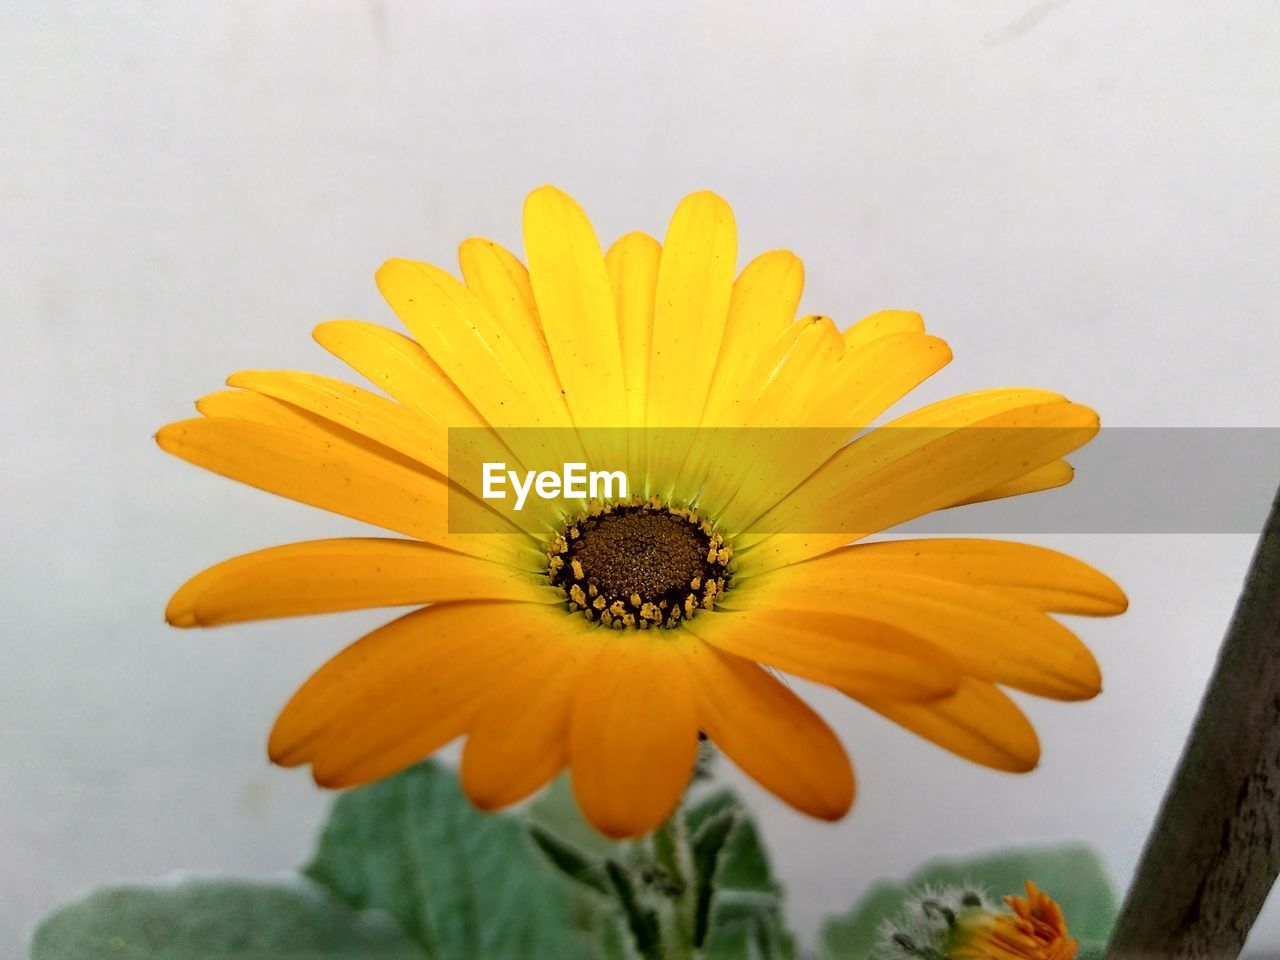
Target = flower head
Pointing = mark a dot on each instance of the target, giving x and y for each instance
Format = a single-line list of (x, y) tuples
[(607, 636), (1034, 929), (957, 924)]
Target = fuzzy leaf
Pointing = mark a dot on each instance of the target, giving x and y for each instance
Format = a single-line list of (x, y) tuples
[(570, 861), (556, 811), (706, 846), (740, 902), (463, 884), (201, 919)]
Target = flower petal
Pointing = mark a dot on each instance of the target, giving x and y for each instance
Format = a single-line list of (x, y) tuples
[(817, 406), (254, 407), (733, 465), (763, 305), (404, 690), (771, 734), (575, 304), (1045, 579), (400, 367), (634, 734), (871, 377), (846, 653), (333, 473), (324, 576), (989, 635), (418, 437), (501, 282), (883, 323), (1056, 474), (894, 475), (463, 337), (977, 722), (966, 409), (632, 263), (797, 374), (762, 309), (695, 285), (520, 737)]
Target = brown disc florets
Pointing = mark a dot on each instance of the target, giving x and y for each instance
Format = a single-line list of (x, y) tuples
[(639, 564)]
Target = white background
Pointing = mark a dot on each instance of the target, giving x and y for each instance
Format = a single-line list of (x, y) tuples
[(1078, 195)]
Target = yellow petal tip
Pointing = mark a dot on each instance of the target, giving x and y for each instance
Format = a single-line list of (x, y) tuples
[(329, 331), (390, 271), (835, 811), (180, 615), (706, 196), (1023, 764), (547, 193), (169, 437)]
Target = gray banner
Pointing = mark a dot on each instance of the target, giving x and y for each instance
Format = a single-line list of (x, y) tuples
[(1127, 479)]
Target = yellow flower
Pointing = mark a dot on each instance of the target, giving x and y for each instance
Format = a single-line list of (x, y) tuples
[(740, 551), (1036, 930)]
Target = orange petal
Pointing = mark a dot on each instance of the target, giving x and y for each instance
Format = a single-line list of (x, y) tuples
[(850, 654), (520, 737), (822, 399), (633, 739), (335, 471), (977, 722), (323, 576), (405, 689), (771, 734), (984, 633), (1049, 477), (575, 305), (1045, 579), (422, 439), (926, 461)]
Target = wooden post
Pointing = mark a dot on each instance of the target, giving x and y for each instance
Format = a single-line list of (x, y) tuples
[(1214, 851)]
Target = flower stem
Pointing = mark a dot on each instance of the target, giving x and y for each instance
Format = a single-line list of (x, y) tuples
[(670, 844), (1214, 851)]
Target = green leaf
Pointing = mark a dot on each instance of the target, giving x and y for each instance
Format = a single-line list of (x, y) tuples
[(706, 846), (198, 918), (570, 861), (463, 884), (736, 908), (641, 920), (556, 811), (571, 844), (1072, 875), (739, 911), (697, 812), (739, 941)]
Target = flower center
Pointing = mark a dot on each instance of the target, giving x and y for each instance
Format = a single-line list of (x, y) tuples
[(639, 564)]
